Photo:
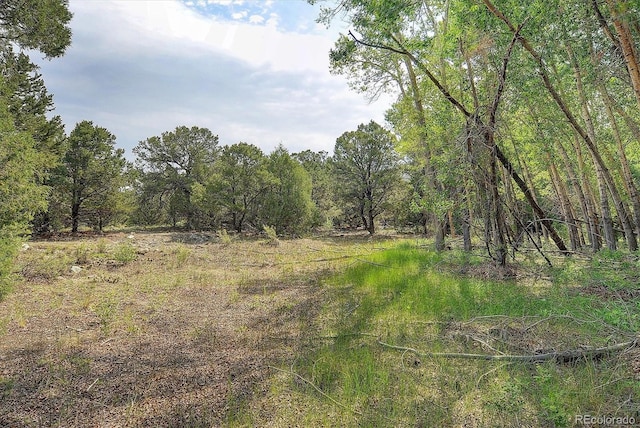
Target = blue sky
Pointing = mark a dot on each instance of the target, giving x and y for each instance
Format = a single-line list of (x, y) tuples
[(252, 71)]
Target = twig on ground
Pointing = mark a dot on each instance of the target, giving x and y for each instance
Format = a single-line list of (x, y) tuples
[(321, 392), (491, 371), (560, 357), (91, 386), (482, 342), (372, 263)]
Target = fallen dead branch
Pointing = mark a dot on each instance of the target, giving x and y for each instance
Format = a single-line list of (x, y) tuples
[(324, 394), (318, 390), (560, 356)]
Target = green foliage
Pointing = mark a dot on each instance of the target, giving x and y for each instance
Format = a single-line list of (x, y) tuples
[(91, 176), (182, 254), (367, 166), (125, 252), (240, 183), (37, 24), (287, 205), (8, 250), (170, 166), (323, 190), (223, 237), (271, 234), (20, 195)]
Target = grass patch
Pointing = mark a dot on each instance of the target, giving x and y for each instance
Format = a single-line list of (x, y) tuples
[(415, 298), (125, 253)]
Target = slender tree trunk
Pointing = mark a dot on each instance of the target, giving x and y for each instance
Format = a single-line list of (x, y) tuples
[(629, 51), (574, 183), (630, 185), (424, 142), (596, 243), (76, 201), (536, 220), (630, 236), (371, 227), (75, 214), (565, 204), (605, 210)]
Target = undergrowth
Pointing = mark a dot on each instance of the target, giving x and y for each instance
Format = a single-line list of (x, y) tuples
[(413, 298)]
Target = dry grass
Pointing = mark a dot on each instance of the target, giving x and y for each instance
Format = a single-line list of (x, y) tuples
[(158, 329)]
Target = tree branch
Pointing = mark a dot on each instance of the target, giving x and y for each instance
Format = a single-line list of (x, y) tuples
[(559, 357)]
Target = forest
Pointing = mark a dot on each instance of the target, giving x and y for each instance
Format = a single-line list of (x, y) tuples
[(514, 138)]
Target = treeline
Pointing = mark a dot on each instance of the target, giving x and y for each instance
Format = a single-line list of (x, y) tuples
[(184, 178)]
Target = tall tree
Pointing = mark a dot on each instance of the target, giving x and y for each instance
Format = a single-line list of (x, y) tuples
[(173, 163), (42, 26), (323, 186), (21, 196), (287, 204), (91, 171), (241, 182), (368, 166)]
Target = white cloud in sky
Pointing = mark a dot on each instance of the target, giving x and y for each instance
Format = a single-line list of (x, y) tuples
[(140, 68)]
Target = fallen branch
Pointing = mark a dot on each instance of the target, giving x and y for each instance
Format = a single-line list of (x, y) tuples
[(324, 394), (321, 392), (560, 357)]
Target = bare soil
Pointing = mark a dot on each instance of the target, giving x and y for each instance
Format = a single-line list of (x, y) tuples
[(183, 336)]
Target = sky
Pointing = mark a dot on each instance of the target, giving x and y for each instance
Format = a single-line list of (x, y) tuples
[(255, 71)]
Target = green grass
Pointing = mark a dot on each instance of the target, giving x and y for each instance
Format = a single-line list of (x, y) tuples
[(411, 297)]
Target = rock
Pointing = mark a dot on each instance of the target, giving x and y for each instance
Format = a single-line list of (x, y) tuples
[(25, 247), (76, 269)]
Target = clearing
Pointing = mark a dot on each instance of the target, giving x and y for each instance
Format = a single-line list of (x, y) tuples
[(191, 329)]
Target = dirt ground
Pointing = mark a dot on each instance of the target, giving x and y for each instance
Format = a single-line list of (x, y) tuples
[(184, 335)]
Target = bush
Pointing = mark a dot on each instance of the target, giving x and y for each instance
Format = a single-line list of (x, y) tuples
[(125, 253), (272, 236)]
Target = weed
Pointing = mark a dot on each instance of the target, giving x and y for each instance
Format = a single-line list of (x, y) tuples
[(106, 311), (101, 246), (46, 265), (125, 253), (223, 237), (82, 254), (6, 385), (181, 253), (272, 236)]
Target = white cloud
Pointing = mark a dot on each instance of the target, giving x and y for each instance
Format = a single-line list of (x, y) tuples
[(256, 19), (143, 67), (239, 15)]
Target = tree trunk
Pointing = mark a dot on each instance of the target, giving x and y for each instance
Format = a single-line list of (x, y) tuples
[(627, 45), (596, 241), (565, 204), (75, 214), (371, 224), (76, 201), (574, 183), (440, 232), (605, 210), (630, 236), (429, 173), (630, 186)]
